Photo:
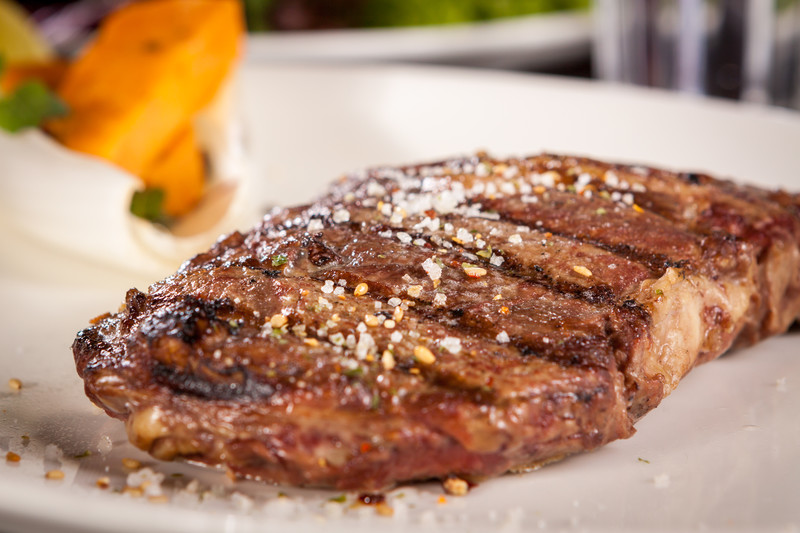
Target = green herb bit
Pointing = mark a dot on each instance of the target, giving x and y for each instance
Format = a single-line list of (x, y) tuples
[(353, 372), (643, 460), (279, 260), (342, 498), (659, 292), (85, 453), (376, 402), (486, 254), (28, 106), (601, 211), (149, 205)]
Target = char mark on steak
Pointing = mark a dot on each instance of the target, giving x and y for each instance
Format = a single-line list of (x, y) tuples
[(468, 317)]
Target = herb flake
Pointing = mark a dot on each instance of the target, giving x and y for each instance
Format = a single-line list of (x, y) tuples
[(149, 205), (28, 106)]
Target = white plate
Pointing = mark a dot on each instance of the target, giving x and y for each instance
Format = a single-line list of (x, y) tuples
[(520, 42), (720, 454)]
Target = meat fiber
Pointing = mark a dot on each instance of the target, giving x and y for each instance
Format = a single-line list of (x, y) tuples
[(468, 317)]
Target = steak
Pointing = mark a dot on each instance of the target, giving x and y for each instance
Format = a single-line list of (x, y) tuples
[(469, 317)]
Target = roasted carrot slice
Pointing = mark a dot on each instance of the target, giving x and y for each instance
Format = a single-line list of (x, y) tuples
[(153, 65), (15, 74), (179, 172)]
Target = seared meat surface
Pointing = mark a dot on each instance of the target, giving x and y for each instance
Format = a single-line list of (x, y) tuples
[(468, 318)]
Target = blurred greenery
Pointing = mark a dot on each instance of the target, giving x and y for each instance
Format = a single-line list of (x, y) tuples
[(263, 15)]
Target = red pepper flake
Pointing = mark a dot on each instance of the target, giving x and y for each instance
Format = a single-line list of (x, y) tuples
[(504, 310), (12, 457), (365, 447)]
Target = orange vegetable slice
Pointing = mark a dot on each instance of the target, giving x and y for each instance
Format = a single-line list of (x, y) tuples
[(153, 65), (15, 74), (179, 171)]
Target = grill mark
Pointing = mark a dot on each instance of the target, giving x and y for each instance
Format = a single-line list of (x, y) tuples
[(426, 313), (598, 295), (187, 318), (237, 384), (655, 263)]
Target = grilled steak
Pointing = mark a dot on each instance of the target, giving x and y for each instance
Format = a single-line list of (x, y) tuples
[(469, 317)]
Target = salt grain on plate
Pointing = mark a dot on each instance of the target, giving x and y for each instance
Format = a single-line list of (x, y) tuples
[(661, 481)]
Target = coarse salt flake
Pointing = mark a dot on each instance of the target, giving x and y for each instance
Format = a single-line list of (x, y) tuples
[(315, 224), (366, 344), (611, 179), (440, 300), (433, 270), (403, 237), (341, 215), (327, 288), (515, 238), (375, 189), (451, 344), (502, 337), (464, 236)]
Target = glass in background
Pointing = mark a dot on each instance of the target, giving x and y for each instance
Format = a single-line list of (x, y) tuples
[(740, 49)]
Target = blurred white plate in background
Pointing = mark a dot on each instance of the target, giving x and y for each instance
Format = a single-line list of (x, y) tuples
[(720, 454), (532, 41)]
